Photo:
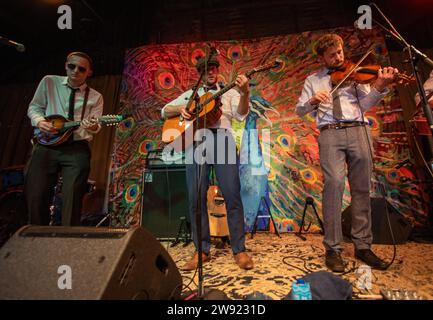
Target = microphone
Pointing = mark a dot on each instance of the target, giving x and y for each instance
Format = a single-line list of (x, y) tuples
[(18, 46)]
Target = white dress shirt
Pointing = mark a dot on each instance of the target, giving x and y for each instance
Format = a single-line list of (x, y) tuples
[(348, 95), (52, 97)]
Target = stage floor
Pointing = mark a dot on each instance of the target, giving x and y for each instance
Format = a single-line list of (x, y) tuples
[(271, 277)]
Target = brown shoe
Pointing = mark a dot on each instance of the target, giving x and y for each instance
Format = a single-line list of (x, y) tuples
[(193, 262), (244, 261)]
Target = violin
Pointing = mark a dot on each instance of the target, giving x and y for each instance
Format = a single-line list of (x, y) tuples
[(349, 71)]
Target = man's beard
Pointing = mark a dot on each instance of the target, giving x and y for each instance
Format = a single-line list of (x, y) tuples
[(336, 66), (211, 83)]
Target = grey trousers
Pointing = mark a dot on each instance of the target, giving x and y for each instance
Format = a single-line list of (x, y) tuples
[(341, 150)]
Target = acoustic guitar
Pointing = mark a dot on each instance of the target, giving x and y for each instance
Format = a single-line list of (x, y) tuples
[(177, 129), (66, 127), (217, 213)]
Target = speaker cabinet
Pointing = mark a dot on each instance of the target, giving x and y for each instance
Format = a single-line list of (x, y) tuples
[(164, 201), (86, 263), (401, 228)]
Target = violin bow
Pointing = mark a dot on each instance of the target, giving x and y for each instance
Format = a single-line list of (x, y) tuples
[(351, 71)]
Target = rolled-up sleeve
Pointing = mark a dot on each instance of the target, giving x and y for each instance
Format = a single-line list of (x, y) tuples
[(303, 106), (235, 99), (181, 100), (38, 105), (369, 96)]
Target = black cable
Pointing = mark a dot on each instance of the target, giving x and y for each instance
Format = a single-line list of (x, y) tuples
[(307, 270), (191, 280)]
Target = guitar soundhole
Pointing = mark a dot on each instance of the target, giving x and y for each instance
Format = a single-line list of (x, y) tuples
[(218, 215), (219, 202)]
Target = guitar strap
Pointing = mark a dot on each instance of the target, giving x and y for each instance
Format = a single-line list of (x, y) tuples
[(86, 96)]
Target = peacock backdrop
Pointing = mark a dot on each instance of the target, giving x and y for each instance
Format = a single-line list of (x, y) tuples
[(156, 74)]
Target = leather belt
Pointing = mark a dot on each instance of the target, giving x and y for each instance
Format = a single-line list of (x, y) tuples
[(342, 125)]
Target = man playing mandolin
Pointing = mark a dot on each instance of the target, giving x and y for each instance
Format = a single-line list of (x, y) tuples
[(344, 140), (71, 98), (234, 104)]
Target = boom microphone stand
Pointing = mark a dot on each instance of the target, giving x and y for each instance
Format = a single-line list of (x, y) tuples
[(415, 56), (195, 97)]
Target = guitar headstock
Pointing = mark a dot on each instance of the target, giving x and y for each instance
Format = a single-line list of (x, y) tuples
[(274, 64)]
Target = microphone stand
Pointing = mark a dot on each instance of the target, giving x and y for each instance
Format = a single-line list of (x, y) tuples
[(414, 55), (195, 97)]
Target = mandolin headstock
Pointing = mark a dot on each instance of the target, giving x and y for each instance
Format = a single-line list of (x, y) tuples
[(112, 119)]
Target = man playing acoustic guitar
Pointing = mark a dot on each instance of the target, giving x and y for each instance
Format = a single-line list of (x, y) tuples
[(69, 97), (234, 104)]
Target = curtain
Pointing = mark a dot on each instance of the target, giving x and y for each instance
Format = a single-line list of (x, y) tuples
[(16, 131)]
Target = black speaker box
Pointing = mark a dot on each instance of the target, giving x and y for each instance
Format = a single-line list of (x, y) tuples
[(86, 263), (164, 201), (401, 227)]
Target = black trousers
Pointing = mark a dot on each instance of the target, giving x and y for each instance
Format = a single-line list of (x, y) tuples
[(72, 160)]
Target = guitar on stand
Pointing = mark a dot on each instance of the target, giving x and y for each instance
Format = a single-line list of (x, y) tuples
[(176, 129), (217, 213), (66, 127)]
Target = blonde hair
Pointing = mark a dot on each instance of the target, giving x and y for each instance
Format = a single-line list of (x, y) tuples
[(327, 41)]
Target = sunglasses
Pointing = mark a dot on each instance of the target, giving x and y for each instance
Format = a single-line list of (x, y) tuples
[(72, 66)]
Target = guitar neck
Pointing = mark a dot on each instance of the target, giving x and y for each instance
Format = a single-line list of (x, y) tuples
[(71, 124), (248, 74), (106, 120), (219, 93)]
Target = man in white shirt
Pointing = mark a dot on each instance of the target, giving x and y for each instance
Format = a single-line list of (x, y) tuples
[(234, 104), (69, 97), (344, 142), (428, 87)]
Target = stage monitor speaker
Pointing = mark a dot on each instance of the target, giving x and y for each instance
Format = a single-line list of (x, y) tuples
[(164, 201), (379, 224), (85, 263)]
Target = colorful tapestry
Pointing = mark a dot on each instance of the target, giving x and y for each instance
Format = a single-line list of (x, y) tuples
[(289, 160)]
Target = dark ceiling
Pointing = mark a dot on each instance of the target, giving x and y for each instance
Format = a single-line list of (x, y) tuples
[(106, 28)]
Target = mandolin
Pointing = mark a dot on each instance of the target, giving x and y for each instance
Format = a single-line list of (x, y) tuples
[(66, 127)]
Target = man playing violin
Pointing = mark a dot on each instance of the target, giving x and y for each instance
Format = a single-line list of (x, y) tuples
[(69, 97), (344, 140), (217, 152)]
